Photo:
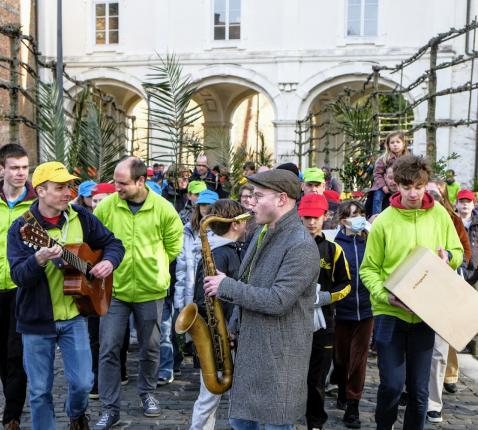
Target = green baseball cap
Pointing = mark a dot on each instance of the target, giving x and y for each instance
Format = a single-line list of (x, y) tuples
[(313, 174), (195, 187)]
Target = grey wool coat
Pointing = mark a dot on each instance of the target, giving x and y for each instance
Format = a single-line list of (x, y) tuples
[(275, 338)]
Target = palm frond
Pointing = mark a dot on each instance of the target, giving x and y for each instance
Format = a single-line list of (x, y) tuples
[(51, 123)]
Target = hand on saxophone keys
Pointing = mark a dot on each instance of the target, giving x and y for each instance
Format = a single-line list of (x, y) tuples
[(211, 283)]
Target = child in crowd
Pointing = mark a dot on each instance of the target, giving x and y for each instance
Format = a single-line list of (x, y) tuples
[(452, 186), (353, 318), (333, 285), (395, 147), (194, 189), (313, 181), (227, 252), (186, 262)]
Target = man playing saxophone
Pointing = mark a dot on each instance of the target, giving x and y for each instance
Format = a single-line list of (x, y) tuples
[(275, 290)]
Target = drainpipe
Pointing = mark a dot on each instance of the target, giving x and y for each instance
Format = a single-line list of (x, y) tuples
[(467, 35)]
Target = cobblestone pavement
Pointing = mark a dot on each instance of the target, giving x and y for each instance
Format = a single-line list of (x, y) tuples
[(460, 410)]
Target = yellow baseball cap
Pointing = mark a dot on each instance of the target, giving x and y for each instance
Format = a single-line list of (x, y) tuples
[(53, 171)]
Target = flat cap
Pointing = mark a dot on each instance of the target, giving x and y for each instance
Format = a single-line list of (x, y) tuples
[(282, 181)]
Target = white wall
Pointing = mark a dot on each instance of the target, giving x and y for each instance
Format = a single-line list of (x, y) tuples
[(291, 50)]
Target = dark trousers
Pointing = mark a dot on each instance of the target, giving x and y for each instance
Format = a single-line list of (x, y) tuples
[(94, 333), (404, 354), (13, 376), (177, 353), (352, 339), (319, 365)]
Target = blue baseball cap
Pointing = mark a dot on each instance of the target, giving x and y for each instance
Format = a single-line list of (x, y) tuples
[(86, 188), (207, 197), (154, 186)]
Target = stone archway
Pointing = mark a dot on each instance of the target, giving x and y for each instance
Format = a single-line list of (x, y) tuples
[(330, 147), (227, 117)]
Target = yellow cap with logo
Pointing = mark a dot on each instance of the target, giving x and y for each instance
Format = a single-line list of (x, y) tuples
[(52, 171)]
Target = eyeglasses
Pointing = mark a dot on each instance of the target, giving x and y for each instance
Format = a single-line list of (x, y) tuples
[(257, 196)]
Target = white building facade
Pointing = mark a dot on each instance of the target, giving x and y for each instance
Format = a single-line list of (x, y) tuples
[(291, 52)]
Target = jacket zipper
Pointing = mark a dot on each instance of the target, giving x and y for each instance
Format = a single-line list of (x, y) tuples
[(416, 242), (134, 255), (356, 279)]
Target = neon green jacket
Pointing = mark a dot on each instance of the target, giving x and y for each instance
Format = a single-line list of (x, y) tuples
[(453, 191), (153, 237), (396, 233), (7, 216)]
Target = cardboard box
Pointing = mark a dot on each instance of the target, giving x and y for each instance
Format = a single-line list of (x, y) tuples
[(438, 295)]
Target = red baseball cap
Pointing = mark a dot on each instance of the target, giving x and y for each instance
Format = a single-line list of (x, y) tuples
[(103, 188), (466, 194), (313, 205), (332, 195)]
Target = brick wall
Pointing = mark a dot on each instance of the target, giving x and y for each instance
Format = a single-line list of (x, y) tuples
[(10, 13)]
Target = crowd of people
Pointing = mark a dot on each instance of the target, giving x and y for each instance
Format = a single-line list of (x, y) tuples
[(301, 285)]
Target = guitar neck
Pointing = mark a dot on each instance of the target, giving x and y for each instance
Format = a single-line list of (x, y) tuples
[(72, 259)]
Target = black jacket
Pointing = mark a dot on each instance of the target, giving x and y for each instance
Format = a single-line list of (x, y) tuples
[(471, 272), (334, 276), (228, 260), (177, 197), (356, 306), (212, 182)]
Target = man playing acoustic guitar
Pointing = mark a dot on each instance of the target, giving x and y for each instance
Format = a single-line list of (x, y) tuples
[(45, 316)]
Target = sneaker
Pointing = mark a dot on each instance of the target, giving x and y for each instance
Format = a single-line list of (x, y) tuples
[(80, 423), (330, 388), (150, 406), (124, 379), (434, 417), (94, 393), (177, 372), (165, 381), (107, 420), (451, 388), (351, 417)]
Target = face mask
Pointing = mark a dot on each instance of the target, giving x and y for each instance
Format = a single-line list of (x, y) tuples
[(450, 181), (356, 224)]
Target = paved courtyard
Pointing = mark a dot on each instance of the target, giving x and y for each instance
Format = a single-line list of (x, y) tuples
[(460, 411)]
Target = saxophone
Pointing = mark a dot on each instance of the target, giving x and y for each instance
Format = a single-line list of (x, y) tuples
[(211, 339)]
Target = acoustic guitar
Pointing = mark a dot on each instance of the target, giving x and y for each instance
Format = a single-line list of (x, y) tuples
[(92, 295)]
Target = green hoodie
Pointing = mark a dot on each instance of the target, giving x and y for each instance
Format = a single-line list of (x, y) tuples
[(7, 216), (153, 237), (396, 233)]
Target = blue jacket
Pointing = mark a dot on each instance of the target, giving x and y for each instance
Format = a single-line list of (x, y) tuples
[(34, 310), (355, 306)]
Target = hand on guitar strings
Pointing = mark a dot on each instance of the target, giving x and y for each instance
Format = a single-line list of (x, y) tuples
[(102, 270), (44, 254), (211, 283)]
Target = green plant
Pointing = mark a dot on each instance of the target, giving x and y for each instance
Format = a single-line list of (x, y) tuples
[(86, 143), (355, 122), (51, 123), (440, 166), (170, 94)]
